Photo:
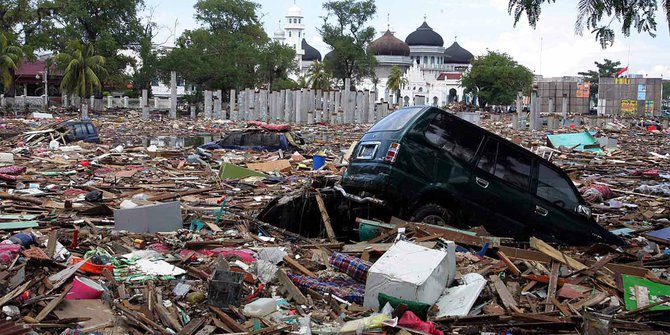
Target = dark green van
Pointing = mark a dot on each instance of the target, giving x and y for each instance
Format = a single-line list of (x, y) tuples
[(431, 166)]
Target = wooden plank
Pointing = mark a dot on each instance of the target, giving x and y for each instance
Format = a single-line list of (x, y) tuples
[(192, 326), (551, 288), (504, 294), (52, 304), (297, 266), (509, 263), (179, 194), (281, 165), (230, 322), (51, 244), (523, 254), (324, 217), (555, 254), (292, 291)]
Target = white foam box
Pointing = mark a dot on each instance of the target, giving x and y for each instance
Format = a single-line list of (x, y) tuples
[(411, 272)]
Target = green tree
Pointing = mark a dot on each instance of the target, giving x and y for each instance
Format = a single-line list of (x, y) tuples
[(666, 90), (318, 77), (10, 58), (82, 69), (496, 78), (396, 81), (28, 22), (607, 68), (349, 37), (276, 61), (597, 16), (145, 72)]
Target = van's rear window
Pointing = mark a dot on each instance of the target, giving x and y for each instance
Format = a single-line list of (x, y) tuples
[(396, 120)]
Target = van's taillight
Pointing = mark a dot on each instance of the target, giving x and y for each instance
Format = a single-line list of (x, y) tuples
[(392, 153)]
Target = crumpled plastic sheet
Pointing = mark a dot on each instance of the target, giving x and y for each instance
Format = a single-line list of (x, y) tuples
[(410, 320)]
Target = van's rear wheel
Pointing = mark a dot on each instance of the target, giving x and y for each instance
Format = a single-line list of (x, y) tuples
[(433, 214)]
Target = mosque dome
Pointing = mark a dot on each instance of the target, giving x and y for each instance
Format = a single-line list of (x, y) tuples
[(388, 45), (457, 55), (424, 36), (294, 11), (311, 54), (279, 33)]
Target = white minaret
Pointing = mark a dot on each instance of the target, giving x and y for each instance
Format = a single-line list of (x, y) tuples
[(295, 31), (280, 34)]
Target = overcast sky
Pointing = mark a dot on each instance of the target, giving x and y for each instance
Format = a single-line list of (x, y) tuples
[(552, 49)]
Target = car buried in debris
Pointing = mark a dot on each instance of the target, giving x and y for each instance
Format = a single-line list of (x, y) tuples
[(430, 166)]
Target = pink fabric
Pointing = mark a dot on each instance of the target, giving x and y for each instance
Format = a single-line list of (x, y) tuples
[(273, 127), (8, 252), (410, 320)]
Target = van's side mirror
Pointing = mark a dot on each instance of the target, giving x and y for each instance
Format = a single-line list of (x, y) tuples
[(583, 210)]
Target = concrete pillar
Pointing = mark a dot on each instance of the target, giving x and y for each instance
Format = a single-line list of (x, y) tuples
[(550, 122), (298, 106), (192, 112), (208, 104), (249, 95), (109, 101), (551, 105), (318, 110), (288, 106), (256, 103), (665, 123), (359, 103), (145, 105), (515, 121), (232, 105), (84, 111), (65, 98), (564, 107), (519, 108), (371, 118), (336, 115), (3, 103), (281, 105), (217, 105), (262, 113), (156, 103), (91, 103), (173, 94), (125, 102), (237, 115), (384, 110)]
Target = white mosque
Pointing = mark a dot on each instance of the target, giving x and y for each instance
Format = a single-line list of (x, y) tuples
[(432, 71)]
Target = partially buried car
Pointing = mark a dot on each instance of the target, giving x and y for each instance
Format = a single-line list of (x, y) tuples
[(431, 166)]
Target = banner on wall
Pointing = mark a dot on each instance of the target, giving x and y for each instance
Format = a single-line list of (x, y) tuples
[(583, 89), (628, 106), (641, 92)]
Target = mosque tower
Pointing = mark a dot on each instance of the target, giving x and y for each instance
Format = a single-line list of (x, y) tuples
[(295, 31)]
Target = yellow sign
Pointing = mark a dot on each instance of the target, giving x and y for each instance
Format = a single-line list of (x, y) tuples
[(628, 107), (584, 89), (622, 81)]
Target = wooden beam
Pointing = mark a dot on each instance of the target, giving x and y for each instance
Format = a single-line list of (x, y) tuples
[(550, 251), (504, 294), (325, 218), (230, 322), (509, 263), (52, 304), (297, 266), (551, 288)]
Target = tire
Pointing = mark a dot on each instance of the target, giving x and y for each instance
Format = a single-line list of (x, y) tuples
[(433, 214)]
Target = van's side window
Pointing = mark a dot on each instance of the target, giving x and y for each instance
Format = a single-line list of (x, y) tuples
[(513, 166), (459, 138), (506, 163), (90, 129), (551, 186)]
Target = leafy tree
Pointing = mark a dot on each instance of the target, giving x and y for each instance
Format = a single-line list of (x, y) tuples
[(10, 58), (229, 51), (349, 37), (496, 78), (666, 90), (82, 69), (276, 61), (147, 70), (607, 68), (396, 81), (598, 16), (318, 77), (109, 26), (27, 22)]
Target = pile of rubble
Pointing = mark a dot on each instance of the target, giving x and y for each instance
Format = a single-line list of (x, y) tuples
[(115, 239)]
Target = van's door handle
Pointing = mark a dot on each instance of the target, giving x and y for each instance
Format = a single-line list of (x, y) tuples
[(541, 210), (481, 182)]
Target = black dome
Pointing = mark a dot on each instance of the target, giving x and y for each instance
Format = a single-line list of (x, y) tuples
[(456, 54), (425, 35), (388, 45), (311, 53)]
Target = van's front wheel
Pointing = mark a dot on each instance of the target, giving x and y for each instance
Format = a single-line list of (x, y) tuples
[(433, 214)]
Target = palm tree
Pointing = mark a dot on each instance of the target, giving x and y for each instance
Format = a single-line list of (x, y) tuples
[(10, 58), (81, 69), (396, 81), (317, 77)]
